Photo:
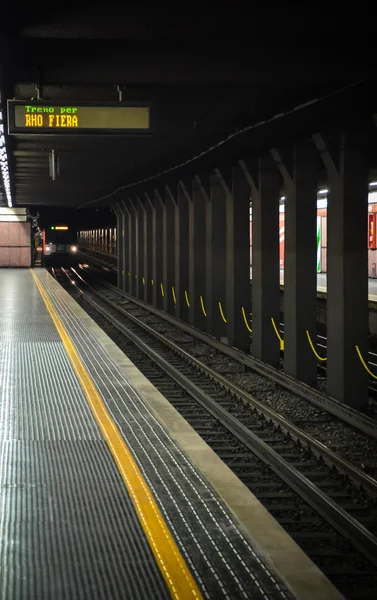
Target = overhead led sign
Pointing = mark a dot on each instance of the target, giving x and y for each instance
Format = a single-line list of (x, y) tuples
[(77, 118)]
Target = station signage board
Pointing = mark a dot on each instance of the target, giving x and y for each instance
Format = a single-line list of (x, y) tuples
[(39, 117)]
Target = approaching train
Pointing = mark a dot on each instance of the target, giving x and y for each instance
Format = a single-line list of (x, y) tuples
[(60, 241), (322, 231)]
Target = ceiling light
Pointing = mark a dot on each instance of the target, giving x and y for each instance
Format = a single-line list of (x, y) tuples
[(324, 191), (373, 184)]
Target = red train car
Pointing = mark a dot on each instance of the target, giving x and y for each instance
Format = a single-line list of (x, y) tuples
[(322, 235)]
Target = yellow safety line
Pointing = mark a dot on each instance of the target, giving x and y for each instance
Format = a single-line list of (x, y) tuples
[(173, 293), (202, 304), (187, 300), (162, 290), (312, 347), (143, 280), (152, 281), (178, 578), (364, 363), (221, 313), (245, 319), (278, 334)]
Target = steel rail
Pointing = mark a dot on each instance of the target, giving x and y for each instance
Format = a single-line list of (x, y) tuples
[(352, 417), (343, 522)]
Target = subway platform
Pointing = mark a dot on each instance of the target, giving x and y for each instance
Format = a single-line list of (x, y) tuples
[(106, 491)]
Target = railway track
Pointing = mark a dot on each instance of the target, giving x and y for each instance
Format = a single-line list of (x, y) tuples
[(314, 396), (340, 434), (321, 344), (317, 397), (325, 502)]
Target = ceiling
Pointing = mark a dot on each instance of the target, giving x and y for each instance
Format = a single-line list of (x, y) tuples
[(208, 72)]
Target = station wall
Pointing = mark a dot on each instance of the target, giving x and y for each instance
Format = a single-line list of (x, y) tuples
[(15, 244)]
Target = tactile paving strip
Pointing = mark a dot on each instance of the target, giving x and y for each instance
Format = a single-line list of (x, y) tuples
[(223, 561), (68, 526)]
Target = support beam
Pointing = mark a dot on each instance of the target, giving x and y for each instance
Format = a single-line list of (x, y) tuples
[(299, 171), (148, 250), (124, 242), (197, 254), (121, 242), (168, 252), (181, 254), (265, 192), (132, 248), (129, 248), (139, 249), (237, 278), (345, 159), (157, 250), (121, 223), (216, 258)]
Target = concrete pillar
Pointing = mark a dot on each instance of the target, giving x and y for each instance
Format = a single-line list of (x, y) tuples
[(124, 240), (216, 258), (121, 241), (139, 250), (299, 171), (237, 277), (345, 159), (197, 254), (131, 250), (168, 253), (265, 193), (181, 253), (119, 211), (148, 253), (157, 252)]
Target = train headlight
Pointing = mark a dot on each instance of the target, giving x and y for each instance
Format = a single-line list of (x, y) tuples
[(73, 248)]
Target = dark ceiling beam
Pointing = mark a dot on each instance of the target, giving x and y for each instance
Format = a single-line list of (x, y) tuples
[(29, 153), (30, 163), (31, 157), (28, 168)]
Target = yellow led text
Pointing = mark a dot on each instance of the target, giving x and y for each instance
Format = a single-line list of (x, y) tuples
[(51, 120)]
